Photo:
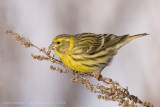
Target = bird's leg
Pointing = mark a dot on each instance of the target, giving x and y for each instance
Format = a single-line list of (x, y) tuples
[(98, 74)]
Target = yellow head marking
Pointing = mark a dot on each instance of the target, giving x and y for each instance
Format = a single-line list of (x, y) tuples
[(63, 42)]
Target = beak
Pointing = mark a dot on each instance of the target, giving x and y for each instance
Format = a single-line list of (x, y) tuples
[(51, 47)]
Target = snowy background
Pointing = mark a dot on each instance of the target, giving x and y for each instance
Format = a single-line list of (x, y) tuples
[(25, 82)]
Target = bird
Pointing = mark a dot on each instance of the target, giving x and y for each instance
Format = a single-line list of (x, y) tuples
[(89, 52)]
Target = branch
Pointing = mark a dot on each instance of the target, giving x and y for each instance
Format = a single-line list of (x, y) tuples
[(105, 88)]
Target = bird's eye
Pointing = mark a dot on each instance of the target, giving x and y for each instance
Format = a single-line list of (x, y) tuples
[(58, 42)]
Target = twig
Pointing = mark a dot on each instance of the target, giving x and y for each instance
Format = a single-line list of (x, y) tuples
[(106, 88)]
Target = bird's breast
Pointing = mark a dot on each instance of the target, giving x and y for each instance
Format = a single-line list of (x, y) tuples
[(78, 65)]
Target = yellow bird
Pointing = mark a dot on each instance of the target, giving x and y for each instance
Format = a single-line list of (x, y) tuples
[(89, 52)]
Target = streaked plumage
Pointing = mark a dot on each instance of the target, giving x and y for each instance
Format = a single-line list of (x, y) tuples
[(88, 52)]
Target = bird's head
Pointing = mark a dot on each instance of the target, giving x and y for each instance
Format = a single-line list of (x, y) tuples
[(61, 43)]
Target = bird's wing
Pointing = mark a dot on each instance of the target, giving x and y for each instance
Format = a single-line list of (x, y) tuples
[(90, 43), (86, 43), (111, 39)]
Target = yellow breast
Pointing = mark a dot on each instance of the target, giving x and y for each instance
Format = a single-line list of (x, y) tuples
[(75, 65)]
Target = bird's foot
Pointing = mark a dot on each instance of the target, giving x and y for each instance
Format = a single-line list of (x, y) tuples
[(97, 75)]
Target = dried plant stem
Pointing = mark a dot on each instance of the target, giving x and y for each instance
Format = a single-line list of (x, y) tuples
[(106, 88)]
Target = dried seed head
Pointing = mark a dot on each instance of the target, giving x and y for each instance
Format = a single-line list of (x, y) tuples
[(109, 90), (99, 96), (52, 67)]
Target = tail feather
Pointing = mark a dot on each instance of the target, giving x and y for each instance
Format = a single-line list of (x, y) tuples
[(129, 38)]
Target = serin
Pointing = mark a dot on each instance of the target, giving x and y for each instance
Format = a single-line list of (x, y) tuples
[(89, 52)]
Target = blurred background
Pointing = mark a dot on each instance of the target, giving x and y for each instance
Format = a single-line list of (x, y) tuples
[(25, 82)]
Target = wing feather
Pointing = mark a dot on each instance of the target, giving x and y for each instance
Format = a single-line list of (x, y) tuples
[(87, 43), (90, 43)]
